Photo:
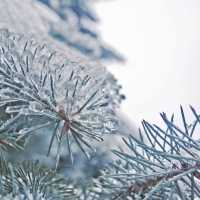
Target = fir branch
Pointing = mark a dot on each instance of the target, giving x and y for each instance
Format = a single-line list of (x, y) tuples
[(163, 171), (32, 180), (55, 91)]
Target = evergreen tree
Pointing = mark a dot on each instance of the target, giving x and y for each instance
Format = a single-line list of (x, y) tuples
[(55, 96)]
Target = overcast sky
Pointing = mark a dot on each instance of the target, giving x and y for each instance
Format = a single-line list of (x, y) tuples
[(161, 42)]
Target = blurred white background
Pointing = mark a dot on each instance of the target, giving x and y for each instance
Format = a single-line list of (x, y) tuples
[(161, 42)]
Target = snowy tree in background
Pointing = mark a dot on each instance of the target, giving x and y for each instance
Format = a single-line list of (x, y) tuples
[(57, 101)]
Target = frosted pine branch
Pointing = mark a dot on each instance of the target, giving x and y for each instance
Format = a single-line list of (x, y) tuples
[(40, 89), (166, 168), (30, 180)]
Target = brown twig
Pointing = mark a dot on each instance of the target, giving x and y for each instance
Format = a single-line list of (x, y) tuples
[(3, 141), (67, 123), (136, 186)]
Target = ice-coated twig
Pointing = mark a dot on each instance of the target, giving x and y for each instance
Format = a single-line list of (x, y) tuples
[(42, 89)]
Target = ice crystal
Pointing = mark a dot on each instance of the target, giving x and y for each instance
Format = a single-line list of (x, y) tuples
[(44, 84)]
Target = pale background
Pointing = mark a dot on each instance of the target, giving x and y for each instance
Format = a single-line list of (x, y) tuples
[(161, 42)]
